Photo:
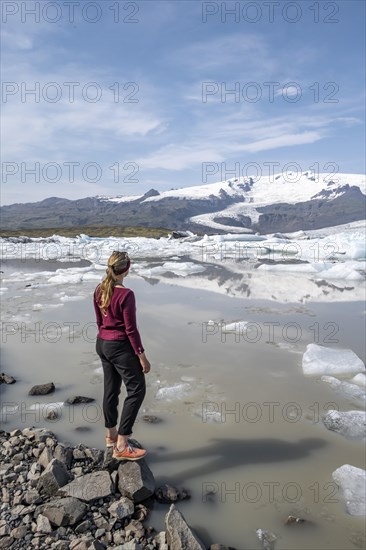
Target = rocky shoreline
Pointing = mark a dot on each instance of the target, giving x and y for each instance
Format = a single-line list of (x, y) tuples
[(77, 497)]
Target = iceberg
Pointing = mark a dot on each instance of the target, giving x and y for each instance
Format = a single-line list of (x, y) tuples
[(323, 360), (352, 482), (351, 424)]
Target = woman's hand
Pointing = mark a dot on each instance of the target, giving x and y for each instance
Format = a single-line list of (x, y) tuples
[(144, 363)]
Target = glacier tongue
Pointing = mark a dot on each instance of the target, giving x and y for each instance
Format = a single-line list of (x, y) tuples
[(352, 482)]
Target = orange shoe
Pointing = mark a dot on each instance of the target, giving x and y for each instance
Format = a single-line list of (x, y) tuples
[(111, 441), (128, 453)]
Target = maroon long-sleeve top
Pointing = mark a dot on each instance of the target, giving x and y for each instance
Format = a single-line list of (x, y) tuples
[(119, 322)]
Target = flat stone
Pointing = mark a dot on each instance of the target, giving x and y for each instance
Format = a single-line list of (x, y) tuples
[(89, 487)]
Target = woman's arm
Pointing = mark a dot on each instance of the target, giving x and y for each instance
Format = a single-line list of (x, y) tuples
[(129, 317), (98, 315)]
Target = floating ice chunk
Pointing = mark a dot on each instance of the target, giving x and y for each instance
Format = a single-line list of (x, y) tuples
[(214, 416), (187, 378), (46, 407), (323, 360), (75, 298), (302, 268), (346, 389), (39, 307), (91, 276), (352, 482), (351, 424), (178, 268), (66, 278), (267, 539), (237, 326), (170, 393), (359, 379)]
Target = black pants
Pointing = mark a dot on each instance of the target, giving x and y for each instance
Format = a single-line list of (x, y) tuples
[(120, 363)]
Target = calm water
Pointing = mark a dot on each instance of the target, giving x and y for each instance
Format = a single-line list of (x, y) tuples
[(266, 456)]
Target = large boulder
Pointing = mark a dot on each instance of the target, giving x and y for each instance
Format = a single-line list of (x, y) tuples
[(64, 511), (178, 534), (54, 476), (89, 487), (135, 480)]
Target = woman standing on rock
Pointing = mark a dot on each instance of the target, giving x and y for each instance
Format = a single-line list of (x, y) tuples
[(119, 347)]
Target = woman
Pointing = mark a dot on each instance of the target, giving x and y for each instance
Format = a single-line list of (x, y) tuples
[(119, 347)]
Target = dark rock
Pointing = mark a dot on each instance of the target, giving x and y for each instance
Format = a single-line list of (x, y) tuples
[(141, 512), (178, 534), (52, 415), (82, 429), (135, 480), (151, 418), (166, 493), (6, 378), (78, 399), (42, 389), (294, 519)]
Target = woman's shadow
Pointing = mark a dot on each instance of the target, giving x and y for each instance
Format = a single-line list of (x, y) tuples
[(224, 454)]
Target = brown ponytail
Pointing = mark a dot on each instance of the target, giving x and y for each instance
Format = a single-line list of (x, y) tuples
[(118, 263)]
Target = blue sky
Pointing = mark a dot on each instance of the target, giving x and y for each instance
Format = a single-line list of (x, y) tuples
[(170, 137)]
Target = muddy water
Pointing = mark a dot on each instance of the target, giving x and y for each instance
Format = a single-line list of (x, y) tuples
[(243, 423)]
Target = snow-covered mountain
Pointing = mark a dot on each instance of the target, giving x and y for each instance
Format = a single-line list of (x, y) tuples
[(264, 205)]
